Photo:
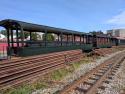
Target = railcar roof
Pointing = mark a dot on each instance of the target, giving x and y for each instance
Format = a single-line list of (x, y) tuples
[(31, 27)]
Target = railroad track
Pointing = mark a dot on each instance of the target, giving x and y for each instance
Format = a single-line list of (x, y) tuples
[(16, 72), (92, 82)]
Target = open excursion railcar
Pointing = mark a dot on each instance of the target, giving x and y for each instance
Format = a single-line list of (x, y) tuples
[(66, 39), (120, 41), (103, 41)]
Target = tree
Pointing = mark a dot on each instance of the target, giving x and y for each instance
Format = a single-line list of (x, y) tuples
[(4, 32), (26, 34), (97, 32), (34, 36), (49, 37)]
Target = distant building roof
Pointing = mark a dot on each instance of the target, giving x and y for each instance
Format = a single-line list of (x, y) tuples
[(120, 37), (2, 36)]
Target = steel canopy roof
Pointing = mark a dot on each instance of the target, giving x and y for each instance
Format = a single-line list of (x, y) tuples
[(37, 28)]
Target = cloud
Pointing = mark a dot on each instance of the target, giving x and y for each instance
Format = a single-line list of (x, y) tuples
[(118, 19)]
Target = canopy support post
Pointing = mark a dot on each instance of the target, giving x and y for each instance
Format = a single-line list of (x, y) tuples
[(61, 38), (72, 39), (45, 38), (67, 40), (22, 36), (30, 36), (12, 38), (17, 37), (8, 40), (80, 39), (58, 40)]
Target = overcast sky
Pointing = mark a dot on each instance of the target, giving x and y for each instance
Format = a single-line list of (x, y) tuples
[(80, 15)]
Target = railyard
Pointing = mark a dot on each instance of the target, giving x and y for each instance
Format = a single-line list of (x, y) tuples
[(54, 78), (62, 47), (72, 62)]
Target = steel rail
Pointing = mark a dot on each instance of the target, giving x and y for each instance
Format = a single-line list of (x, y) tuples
[(106, 68)]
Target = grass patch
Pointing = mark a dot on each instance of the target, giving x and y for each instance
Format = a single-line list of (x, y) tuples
[(61, 73), (40, 85), (25, 89), (76, 65), (20, 90)]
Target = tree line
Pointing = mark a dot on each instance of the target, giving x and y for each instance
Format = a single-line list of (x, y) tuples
[(34, 35)]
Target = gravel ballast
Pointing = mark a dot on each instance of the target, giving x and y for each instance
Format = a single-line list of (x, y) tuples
[(75, 75), (117, 84)]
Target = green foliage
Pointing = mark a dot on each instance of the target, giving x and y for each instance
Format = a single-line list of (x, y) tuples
[(40, 85), (4, 32), (26, 34), (76, 65), (49, 37), (59, 74), (20, 90), (34, 36), (25, 89)]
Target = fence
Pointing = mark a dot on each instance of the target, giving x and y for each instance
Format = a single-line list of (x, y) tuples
[(3, 51)]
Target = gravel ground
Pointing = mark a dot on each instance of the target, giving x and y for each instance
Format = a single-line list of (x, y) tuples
[(75, 75), (117, 85)]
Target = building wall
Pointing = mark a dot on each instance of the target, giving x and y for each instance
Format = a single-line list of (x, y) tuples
[(116, 32), (122, 33)]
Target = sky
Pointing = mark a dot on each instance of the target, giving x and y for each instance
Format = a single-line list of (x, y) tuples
[(78, 15)]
